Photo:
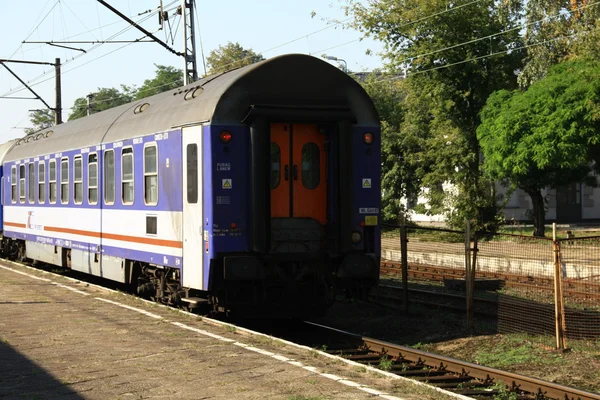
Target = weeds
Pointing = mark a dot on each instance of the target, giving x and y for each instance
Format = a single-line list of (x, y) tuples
[(385, 363)]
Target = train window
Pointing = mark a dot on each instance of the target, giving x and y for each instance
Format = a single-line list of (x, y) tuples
[(109, 177), (78, 180), (93, 179), (52, 181), (151, 175), (311, 165), (13, 184), (31, 182), (64, 180), (192, 173), (22, 183), (127, 175), (41, 182), (275, 165)]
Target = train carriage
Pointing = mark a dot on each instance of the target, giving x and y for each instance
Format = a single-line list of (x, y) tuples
[(255, 191)]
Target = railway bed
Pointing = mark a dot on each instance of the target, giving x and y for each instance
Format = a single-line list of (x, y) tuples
[(460, 377)]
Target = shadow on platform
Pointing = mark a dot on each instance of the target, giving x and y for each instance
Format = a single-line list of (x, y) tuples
[(21, 378)]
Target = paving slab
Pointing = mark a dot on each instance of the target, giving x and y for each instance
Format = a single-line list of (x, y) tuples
[(65, 339)]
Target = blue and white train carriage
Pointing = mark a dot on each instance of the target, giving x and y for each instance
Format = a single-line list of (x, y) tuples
[(256, 190)]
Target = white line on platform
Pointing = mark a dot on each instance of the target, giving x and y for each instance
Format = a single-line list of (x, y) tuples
[(24, 273), (211, 321), (148, 313)]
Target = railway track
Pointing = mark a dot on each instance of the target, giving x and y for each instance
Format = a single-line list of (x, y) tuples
[(571, 287), (460, 377)]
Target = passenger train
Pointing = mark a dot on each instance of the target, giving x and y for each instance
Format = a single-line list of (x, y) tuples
[(255, 191)]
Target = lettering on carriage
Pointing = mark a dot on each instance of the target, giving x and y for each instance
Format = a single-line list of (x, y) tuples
[(45, 240), (86, 150), (138, 140), (223, 166), (368, 210), (47, 157), (31, 222), (57, 155), (36, 159), (117, 144), (26, 160)]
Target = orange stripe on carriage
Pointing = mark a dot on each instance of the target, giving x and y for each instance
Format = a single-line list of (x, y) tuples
[(113, 236)]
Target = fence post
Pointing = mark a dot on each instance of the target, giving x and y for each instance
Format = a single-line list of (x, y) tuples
[(468, 275), (404, 260), (559, 309)]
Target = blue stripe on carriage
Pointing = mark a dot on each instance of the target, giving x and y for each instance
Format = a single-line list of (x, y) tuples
[(170, 181)]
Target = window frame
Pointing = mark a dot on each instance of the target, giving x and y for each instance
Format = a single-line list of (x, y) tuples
[(13, 184), (64, 160), (41, 182), (31, 182), (52, 181), (105, 177), (90, 187), (22, 184), (128, 181), (75, 181), (147, 146)]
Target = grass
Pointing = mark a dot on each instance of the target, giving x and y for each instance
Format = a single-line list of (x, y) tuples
[(517, 349), (385, 363)]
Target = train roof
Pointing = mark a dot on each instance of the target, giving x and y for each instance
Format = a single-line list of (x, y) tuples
[(293, 81), (5, 147)]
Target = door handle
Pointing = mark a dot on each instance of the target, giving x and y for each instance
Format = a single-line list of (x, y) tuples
[(287, 173), (295, 172)]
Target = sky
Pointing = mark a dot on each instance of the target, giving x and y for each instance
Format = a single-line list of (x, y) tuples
[(269, 27)]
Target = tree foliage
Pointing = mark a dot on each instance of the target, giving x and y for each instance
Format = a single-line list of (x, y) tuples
[(167, 78), (41, 119), (104, 99), (397, 178), (230, 56), (546, 136), (446, 87), (556, 31)]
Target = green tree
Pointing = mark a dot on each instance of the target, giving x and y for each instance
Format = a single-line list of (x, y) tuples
[(556, 31), (41, 119), (446, 87), (231, 56), (104, 99), (167, 78), (546, 136), (398, 176)]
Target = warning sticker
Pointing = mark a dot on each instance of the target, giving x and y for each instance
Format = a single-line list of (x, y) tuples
[(366, 183), (227, 184), (371, 220)]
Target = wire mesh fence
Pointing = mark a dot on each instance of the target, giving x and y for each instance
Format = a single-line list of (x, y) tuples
[(515, 283), (580, 275)]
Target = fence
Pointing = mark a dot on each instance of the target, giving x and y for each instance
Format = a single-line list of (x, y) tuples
[(521, 283)]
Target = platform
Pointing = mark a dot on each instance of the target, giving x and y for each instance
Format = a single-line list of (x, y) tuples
[(60, 338)]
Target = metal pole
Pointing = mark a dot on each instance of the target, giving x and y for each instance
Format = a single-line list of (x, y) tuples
[(468, 273), (558, 300), (404, 260), (189, 42), (58, 108)]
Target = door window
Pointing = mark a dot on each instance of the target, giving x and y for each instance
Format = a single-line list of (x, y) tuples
[(192, 173), (311, 168), (275, 165)]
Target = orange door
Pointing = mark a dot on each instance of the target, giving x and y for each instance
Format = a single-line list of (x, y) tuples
[(298, 187)]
